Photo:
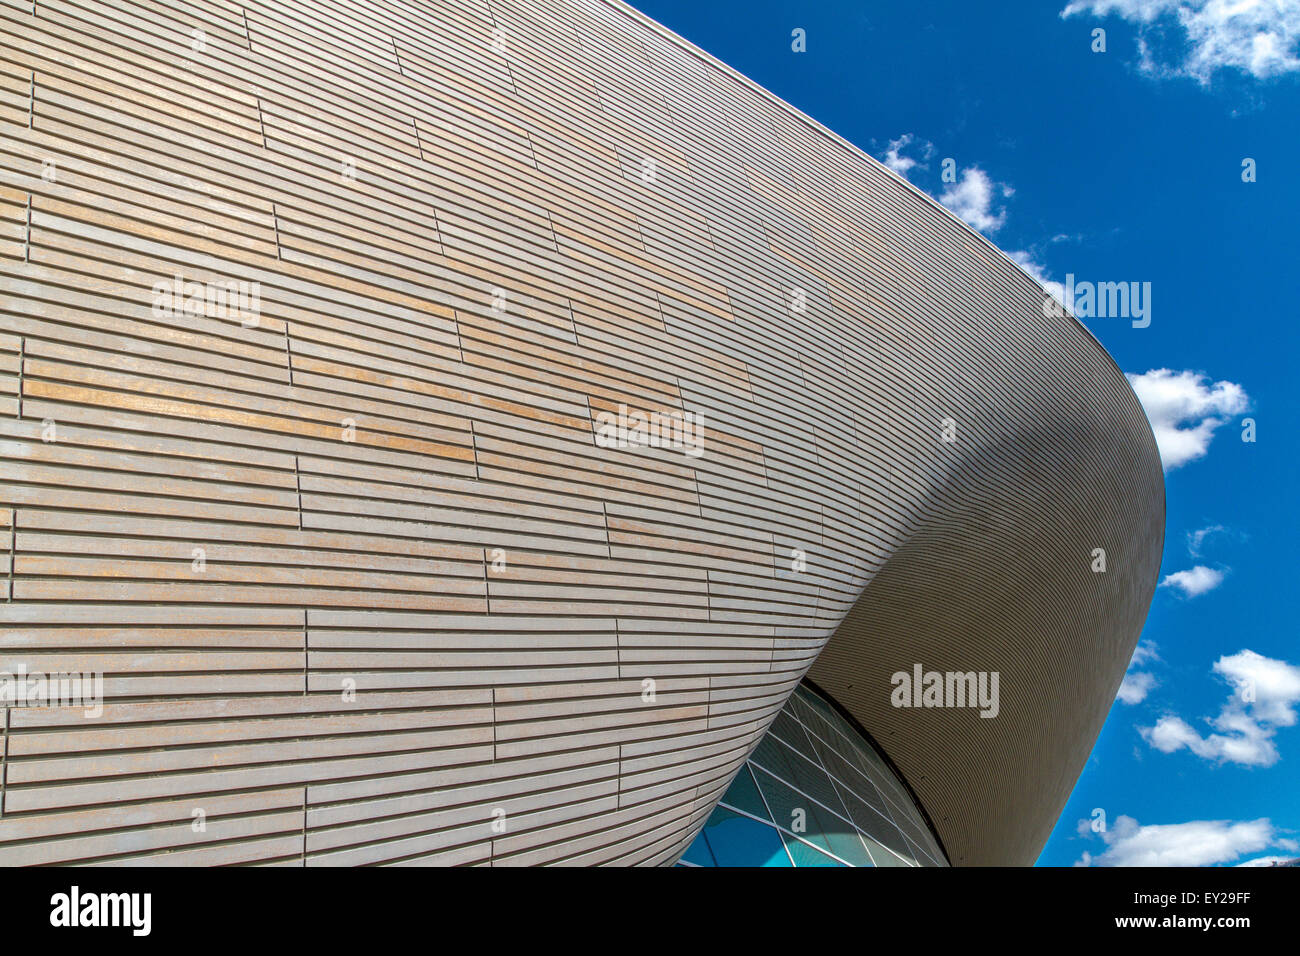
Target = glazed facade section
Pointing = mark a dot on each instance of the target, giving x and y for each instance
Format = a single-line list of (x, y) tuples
[(326, 330), (815, 793)]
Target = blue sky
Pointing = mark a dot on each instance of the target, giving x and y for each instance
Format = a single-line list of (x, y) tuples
[(1123, 165)]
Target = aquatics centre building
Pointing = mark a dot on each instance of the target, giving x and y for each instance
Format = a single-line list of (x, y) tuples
[(496, 432)]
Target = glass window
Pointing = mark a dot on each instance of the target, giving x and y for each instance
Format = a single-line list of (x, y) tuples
[(736, 840), (815, 793), (804, 855), (743, 795)]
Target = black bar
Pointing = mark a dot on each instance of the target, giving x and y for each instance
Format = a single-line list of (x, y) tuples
[(347, 908)]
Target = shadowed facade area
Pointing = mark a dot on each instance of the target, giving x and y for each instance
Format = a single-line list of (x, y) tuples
[(998, 577)]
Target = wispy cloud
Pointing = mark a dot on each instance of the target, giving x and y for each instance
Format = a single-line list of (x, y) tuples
[(1144, 653), (975, 197), (1194, 581), (1137, 683), (1264, 697), (1196, 843), (1256, 37), (1196, 539), (894, 157), (1185, 411)]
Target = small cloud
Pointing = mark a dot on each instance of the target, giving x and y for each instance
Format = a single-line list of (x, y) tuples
[(901, 164), (1197, 538), (1254, 37), (1196, 843), (1138, 684), (1185, 411), (1145, 652), (1135, 687), (1264, 698), (1194, 581), (974, 198)]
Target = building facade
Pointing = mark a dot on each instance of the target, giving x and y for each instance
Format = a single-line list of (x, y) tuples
[(449, 431)]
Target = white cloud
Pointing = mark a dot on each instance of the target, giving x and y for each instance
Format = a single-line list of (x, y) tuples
[(1256, 37), (974, 198), (1135, 687), (901, 164), (1265, 695), (1197, 538), (1274, 684), (1194, 581), (1144, 652), (1138, 684), (1185, 411), (1197, 843)]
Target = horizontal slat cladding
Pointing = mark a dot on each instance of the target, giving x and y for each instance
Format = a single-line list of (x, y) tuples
[(312, 320)]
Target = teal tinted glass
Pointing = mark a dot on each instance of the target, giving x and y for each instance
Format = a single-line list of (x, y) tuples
[(815, 793), (804, 855), (736, 840)]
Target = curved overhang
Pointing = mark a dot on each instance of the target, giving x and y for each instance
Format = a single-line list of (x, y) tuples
[(1032, 553), (1051, 467)]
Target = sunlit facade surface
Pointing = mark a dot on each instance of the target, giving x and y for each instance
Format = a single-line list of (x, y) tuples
[(815, 793)]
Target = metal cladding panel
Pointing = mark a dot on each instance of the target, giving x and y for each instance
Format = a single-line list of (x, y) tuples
[(362, 584)]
